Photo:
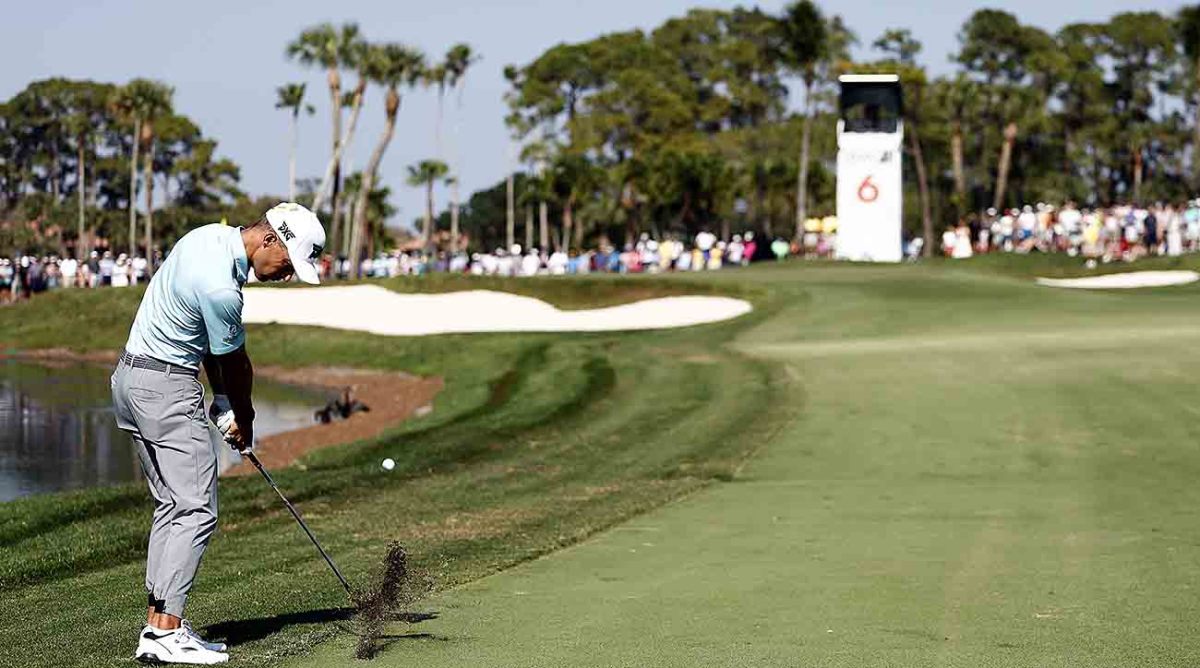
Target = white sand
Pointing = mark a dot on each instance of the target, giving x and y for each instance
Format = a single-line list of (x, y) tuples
[(370, 308), (1126, 280)]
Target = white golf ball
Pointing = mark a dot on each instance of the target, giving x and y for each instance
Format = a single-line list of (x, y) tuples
[(389, 464)]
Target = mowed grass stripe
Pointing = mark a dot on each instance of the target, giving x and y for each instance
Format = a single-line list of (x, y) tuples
[(1008, 482)]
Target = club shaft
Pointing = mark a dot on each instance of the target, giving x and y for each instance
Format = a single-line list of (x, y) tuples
[(295, 513)]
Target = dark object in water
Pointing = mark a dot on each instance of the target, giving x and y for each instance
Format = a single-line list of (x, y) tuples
[(397, 589), (344, 406)]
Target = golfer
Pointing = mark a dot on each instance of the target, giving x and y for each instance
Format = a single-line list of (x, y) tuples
[(190, 315)]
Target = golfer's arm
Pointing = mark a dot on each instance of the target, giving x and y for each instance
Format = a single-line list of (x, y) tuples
[(234, 375), (213, 371)]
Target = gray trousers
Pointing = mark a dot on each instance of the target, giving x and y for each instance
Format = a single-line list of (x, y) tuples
[(164, 414)]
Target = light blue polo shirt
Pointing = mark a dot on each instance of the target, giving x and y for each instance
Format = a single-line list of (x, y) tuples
[(193, 305)]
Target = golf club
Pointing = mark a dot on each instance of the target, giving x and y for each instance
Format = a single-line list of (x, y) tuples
[(257, 464)]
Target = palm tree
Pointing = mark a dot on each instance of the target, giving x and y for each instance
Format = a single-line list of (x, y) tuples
[(331, 48), (451, 182), (132, 102), (458, 60), (426, 173), (574, 178), (155, 106), (390, 65), (291, 96), (806, 44), (810, 46), (1188, 25), (88, 102), (958, 96), (435, 76)]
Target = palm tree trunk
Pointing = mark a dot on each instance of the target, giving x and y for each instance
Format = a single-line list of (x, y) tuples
[(80, 185), (543, 226), (454, 216), (956, 156), (510, 218), (133, 169), (427, 233), (568, 222), (347, 224), (577, 224), (1010, 135), (922, 188), (1137, 174), (359, 217), (149, 178), (437, 122), (528, 227), (331, 170), (802, 176), (292, 157)]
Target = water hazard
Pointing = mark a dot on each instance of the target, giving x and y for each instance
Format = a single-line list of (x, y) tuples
[(57, 430)]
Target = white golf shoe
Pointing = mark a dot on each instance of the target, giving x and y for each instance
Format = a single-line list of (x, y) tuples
[(214, 646), (177, 646)]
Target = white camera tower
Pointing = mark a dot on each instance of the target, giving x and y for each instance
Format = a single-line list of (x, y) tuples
[(870, 132)]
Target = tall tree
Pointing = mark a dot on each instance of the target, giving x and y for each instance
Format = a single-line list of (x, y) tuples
[(392, 66), (1188, 26), (426, 173), (331, 48), (291, 97), (958, 96), (155, 105), (1000, 52), (458, 61), (810, 45), (903, 48), (85, 122), (134, 102), (1142, 49)]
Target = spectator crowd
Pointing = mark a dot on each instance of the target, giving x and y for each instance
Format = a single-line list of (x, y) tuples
[(646, 255), (28, 275), (1121, 232), (25, 275)]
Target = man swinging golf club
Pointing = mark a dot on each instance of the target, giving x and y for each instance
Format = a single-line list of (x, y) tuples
[(190, 315)]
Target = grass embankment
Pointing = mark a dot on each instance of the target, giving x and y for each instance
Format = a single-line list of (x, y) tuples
[(536, 442)]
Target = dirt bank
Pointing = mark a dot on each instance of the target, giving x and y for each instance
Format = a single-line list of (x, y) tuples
[(391, 396)]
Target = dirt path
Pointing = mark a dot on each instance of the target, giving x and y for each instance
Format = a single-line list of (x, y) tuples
[(391, 396)]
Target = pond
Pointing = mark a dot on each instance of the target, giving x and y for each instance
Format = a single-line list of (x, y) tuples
[(57, 430)]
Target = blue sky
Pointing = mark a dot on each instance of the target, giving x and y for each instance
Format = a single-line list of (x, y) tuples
[(225, 59)]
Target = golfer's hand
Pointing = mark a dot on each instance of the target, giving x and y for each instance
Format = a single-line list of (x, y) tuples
[(241, 438)]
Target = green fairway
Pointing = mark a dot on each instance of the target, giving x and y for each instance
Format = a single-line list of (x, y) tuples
[(981, 472), (951, 466)]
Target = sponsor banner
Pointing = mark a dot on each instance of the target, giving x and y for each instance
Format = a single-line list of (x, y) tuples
[(869, 193)]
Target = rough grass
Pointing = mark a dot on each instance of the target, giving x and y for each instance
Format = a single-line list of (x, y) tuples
[(536, 442)]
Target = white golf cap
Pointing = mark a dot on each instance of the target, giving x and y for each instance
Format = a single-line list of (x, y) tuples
[(303, 237)]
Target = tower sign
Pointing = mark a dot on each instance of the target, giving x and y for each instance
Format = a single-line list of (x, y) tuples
[(870, 132)]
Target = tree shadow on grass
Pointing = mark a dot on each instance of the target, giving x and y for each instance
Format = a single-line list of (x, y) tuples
[(241, 631)]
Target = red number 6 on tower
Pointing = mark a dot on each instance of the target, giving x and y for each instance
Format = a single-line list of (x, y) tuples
[(867, 192)]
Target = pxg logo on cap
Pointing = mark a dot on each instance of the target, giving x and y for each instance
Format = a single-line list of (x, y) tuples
[(302, 235)]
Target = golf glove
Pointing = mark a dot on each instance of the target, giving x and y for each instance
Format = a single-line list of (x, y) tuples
[(221, 413)]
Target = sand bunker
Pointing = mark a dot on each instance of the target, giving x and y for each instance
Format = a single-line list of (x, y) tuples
[(1124, 281), (370, 308)]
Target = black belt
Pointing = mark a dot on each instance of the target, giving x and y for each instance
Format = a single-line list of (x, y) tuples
[(143, 362)]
